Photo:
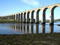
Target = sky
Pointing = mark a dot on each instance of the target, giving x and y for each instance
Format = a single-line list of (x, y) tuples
[(8, 7)]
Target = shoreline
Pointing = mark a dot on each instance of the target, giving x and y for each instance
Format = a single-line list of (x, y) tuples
[(30, 39)]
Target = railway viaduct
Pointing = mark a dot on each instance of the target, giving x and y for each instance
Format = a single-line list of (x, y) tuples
[(22, 15)]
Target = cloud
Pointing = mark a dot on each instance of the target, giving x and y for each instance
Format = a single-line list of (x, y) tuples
[(31, 2)]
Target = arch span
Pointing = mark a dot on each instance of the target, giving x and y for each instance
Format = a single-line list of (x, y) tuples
[(28, 14), (32, 16), (24, 17), (37, 16)]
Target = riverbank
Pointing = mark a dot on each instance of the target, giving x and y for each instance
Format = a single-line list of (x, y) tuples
[(30, 39), (9, 21), (15, 21)]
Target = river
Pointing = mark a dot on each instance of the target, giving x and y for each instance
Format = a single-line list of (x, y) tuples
[(14, 28)]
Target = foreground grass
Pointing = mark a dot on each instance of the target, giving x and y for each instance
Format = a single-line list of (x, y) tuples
[(30, 39)]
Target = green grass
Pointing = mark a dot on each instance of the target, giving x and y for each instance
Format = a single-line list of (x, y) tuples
[(13, 20), (30, 39), (7, 21)]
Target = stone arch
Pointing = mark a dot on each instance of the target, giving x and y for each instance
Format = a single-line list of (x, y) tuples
[(44, 10), (28, 14), (47, 14), (52, 14), (17, 17), (55, 6), (21, 17), (44, 15), (24, 13), (32, 13), (38, 10), (32, 16), (24, 16), (37, 16), (52, 9)]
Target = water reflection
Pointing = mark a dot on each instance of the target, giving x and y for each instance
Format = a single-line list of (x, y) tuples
[(51, 28), (21, 27), (37, 28), (42, 28), (24, 27), (17, 27), (29, 28)]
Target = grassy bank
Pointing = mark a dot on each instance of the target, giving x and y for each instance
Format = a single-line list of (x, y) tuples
[(30, 39), (8, 21)]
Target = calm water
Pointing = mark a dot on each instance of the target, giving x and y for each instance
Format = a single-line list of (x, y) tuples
[(22, 28)]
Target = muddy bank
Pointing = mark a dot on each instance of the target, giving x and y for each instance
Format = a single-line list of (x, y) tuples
[(30, 39)]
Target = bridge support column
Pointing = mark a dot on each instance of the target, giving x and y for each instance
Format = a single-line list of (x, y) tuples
[(43, 17), (32, 20), (18, 17), (15, 17), (21, 17), (27, 20), (24, 17), (37, 17), (51, 16)]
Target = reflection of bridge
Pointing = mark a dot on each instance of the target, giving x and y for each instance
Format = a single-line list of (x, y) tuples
[(22, 16), (29, 28)]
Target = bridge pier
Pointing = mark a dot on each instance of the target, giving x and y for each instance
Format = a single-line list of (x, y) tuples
[(37, 17), (24, 17), (27, 20), (21, 17), (43, 17), (51, 16), (32, 19), (17, 17)]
